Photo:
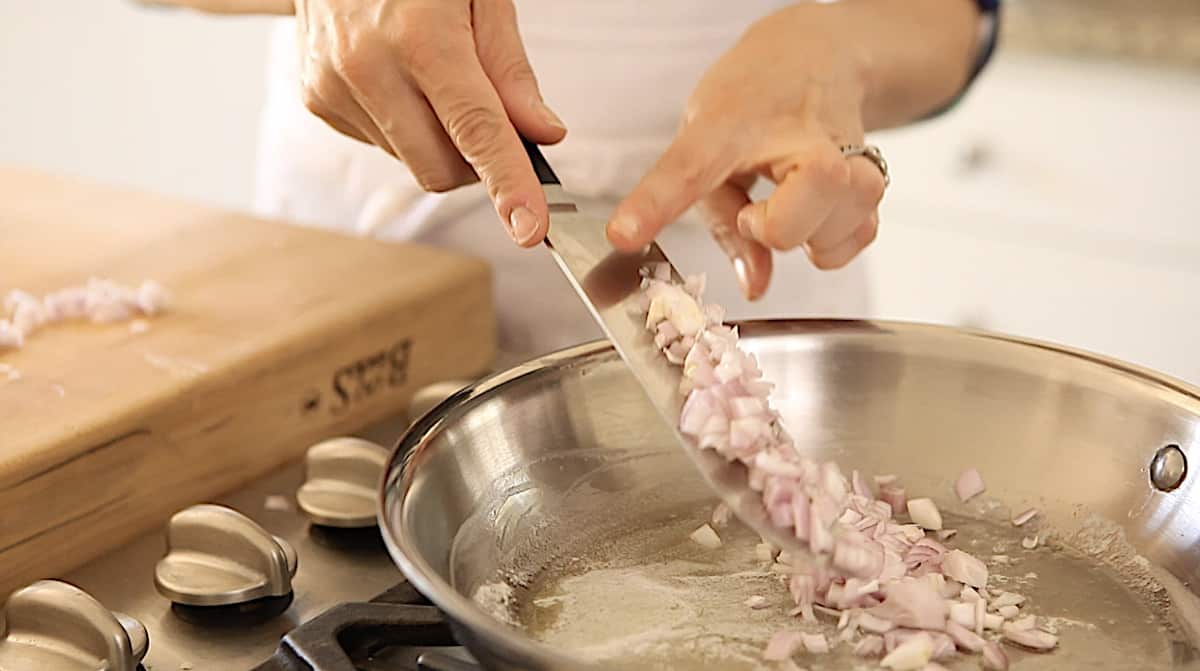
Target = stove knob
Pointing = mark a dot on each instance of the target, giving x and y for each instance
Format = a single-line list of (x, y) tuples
[(341, 482), (217, 556), (53, 626), (427, 397)]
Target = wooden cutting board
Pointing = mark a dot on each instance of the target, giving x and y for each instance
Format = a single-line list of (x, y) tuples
[(277, 336)]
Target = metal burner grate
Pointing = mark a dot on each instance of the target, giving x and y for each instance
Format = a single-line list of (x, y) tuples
[(398, 630)]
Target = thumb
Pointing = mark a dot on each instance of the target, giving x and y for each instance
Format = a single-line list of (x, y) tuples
[(692, 167), (502, 54)]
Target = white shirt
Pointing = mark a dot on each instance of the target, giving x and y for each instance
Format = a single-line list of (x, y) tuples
[(618, 72)]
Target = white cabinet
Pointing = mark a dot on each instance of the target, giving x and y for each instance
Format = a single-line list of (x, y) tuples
[(1058, 202)]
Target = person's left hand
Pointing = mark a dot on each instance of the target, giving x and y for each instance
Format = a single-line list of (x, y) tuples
[(779, 105)]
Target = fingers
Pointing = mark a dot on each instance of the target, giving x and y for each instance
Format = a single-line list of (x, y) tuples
[(322, 91), (415, 86), (808, 194), (502, 54), (862, 199), (824, 203), (751, 260), (844, 252), (692, 167), (331, 102), (407, 124), (341, 125), (360, 92), (472, 115)]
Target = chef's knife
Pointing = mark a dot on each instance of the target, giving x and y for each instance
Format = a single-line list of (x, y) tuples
[(609, 284)]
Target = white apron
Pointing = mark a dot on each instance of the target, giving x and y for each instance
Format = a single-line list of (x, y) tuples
[(618, 72)]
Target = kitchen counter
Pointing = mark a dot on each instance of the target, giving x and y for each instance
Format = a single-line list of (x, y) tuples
[(1162, 33)]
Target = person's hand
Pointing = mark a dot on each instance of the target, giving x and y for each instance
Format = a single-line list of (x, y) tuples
[(779, 105), (443, 85)]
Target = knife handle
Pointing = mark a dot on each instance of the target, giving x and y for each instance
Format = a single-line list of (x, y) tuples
[(540, 167)]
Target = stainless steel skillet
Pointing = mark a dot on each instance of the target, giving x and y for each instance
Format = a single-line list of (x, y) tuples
[(544, 514)]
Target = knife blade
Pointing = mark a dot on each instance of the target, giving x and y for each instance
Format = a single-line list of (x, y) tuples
[(608, 282)]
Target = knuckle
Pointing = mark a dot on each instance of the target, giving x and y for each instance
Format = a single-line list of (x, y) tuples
[(415, 49), (322, 89), (835, 258), (829, 172), (410, 29), (823, 262), (440, 181), (473, 128), (352, 64), (312, 80), (435, 182), (313, 102), (868, 233), (320, 97), (516, 69), (419, 37), (776, 236), (778, 231), (874, 187), (692, 179)]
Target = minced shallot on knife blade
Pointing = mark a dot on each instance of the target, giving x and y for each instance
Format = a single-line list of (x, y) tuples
[(898, 592)]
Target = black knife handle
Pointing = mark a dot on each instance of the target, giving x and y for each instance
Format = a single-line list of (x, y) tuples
[(540, 167)]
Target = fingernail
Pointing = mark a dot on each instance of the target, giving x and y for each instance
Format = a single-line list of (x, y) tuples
[(522, 225), (548, 115), (626, 226), (739, 268)]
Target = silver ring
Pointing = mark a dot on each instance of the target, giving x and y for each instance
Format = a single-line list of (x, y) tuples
[(871, 153)]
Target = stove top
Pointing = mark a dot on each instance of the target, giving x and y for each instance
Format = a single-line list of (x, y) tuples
[(350, 608)]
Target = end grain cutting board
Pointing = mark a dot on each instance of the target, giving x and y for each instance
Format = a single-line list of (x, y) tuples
[(277, 336)]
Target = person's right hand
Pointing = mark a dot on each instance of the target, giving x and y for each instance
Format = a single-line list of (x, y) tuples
[(443, 85)]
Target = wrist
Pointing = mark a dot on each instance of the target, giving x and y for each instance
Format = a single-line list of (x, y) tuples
[(906, 57), (928, 51)]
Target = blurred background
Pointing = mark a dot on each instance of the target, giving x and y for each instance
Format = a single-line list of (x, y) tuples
[(1053, 203)]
